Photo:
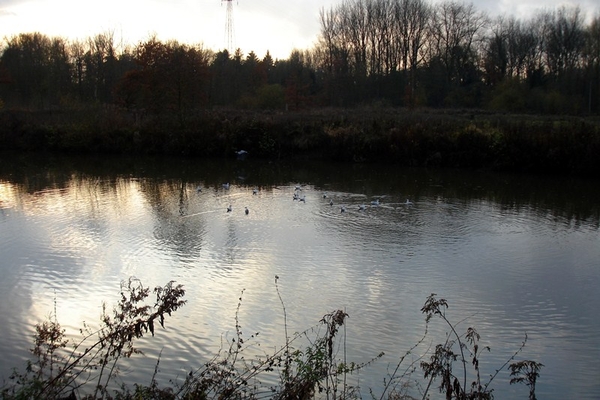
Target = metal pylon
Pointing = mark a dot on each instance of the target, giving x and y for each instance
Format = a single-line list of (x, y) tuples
[(229, 32)]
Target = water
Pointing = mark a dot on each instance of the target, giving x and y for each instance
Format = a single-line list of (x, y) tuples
[(513, 255)]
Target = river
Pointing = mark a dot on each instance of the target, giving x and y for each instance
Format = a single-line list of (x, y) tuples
[(513, 255)]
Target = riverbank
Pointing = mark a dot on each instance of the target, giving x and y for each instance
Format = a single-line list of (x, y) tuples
[(430, 138)]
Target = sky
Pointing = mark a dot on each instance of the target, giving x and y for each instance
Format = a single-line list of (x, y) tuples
[(278, 26)]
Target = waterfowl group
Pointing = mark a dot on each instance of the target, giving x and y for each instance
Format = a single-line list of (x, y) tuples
[(302, 198)]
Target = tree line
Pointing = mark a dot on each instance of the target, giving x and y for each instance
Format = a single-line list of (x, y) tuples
[(406, 53), (451, 54)]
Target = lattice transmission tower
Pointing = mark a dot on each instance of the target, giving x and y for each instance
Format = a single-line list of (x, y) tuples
[(229, 31)]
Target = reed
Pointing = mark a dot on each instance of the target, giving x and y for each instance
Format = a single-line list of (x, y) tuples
[(424, 138)]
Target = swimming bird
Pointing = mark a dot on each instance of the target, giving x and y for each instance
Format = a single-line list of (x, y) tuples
[(255, 191), (247, 211), (408, 202), (229, 208), (325, 195), (342, 209), (198, 189), (330, 202), (226, 186), (303, 198), (375, 202), (362, 207)]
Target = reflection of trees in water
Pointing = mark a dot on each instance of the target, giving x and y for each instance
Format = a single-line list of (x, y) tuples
[(447, 204), (175, 230), (565, 199), (231, 243)]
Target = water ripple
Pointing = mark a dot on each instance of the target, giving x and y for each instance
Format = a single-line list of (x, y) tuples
[(506, 267)]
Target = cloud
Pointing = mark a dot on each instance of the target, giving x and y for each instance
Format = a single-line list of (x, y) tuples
[(259, 25), (6, 13)]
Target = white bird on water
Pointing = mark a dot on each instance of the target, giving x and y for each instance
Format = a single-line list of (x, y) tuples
[(362, 207), (408, 203), (226, 186), (375, 202), (198, 189), (255, 191)]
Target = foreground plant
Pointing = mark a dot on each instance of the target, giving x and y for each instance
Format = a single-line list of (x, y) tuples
[(306, 366), (310, 364), (465, 349), (57, 372), (526, 372)]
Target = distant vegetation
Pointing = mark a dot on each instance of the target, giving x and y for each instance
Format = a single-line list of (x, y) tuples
[(417, 138), (310, 364), (383, 82)]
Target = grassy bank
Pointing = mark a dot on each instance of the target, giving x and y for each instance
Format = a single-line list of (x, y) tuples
[(310, 364), (457, 139)]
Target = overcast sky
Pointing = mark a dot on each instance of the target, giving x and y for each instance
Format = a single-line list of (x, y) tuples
[(259, 25)]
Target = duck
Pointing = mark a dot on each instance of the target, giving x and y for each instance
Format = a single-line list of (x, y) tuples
[(255, 191), (375, 202), (303, 199), (408, 202), (362, 207), (330, 202), (226, 186), (229, 208), (246, 210), (342, 209), (198, 189)]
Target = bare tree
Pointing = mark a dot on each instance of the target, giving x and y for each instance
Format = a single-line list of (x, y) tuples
[(411, 18), (591, 60), (521, 46), (566, 40), (455, 27), (411, 21), (354, 25)]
